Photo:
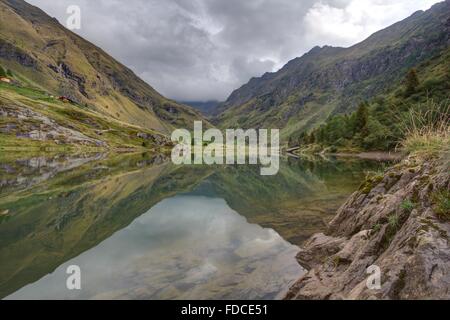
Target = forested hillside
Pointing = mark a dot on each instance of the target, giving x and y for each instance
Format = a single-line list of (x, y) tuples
[(382, 122)]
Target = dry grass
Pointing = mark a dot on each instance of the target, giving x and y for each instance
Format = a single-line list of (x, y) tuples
[(427, 129)]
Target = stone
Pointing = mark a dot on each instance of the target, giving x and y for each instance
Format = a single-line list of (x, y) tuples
[(413, 255)]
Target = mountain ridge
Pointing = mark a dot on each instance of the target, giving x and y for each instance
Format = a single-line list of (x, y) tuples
[(332, 80), (48, 56)]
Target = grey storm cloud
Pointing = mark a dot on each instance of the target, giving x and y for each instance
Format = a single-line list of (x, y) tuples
[(204, 49)]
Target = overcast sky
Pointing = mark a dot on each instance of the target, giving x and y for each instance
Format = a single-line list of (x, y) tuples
[(204, 49)]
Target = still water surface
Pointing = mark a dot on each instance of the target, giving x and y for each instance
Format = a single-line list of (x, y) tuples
[(141, 228)]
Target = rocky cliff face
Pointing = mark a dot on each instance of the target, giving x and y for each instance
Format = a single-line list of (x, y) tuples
[(331, 80), (399, 222)]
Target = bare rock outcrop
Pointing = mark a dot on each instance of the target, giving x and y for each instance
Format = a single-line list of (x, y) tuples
[(40, 127), (399, 222)]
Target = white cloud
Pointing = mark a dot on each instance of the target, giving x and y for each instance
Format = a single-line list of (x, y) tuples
[(203, 49), (346, 22)]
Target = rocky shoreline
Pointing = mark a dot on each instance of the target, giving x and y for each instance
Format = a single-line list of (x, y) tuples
[(397, 221)]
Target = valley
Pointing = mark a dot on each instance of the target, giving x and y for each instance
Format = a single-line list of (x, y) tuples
[(87, 178)]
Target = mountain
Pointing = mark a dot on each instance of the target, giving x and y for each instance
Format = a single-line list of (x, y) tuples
[(207, 108), (329, 80), (379, 124), (44, 55)]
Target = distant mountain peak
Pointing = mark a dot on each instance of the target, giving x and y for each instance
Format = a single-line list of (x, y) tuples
[(329, 80)]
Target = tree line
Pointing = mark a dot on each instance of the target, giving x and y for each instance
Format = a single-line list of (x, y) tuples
[(373, 126)]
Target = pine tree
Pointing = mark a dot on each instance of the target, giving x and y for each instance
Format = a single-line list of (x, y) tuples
[(411, 82), (361, 119), (2, 72), (9, 73)]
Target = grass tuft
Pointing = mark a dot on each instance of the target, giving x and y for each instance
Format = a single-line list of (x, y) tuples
[(441, 201), (427, 129), (408, 206), (393, 221)]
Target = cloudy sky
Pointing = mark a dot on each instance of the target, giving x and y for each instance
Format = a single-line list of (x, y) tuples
[(203, 49)]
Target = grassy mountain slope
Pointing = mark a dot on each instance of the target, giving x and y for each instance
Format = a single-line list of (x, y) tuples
[(45, 55), (32, 120), (382, 123), (328, 80)]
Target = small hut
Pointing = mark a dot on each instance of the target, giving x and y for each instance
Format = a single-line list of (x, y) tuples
[(65, 99)]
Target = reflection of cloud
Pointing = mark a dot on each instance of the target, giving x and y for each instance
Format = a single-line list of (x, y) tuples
[(201, 273), (203, 49), (259, 245), (184, 247)]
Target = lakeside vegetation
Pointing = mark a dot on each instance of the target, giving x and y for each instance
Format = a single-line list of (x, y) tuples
[(414, 115)]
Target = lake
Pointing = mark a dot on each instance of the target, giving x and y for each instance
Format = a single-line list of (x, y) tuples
[(140, 227)]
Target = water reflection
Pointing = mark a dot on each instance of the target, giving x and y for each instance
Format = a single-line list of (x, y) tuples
[(183, 248), (298, 202), (203, 226)]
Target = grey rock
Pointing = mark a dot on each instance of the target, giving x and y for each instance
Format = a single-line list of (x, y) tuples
[(409, 246)]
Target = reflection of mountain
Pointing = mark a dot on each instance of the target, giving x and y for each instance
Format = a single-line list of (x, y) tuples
[(24, 173), (64, 213), (185, 247), (297, 202), (74, 211)]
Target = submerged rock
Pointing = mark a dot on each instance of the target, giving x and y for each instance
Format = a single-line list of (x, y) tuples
[(395, 222)]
